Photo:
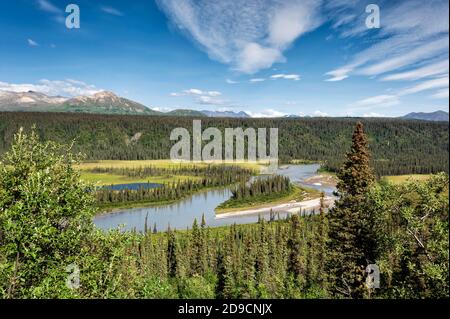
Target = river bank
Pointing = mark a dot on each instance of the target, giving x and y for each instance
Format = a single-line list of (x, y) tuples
[(181, 214), (293, 207)]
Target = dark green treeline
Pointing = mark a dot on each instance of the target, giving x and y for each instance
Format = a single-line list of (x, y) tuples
[(398, 146)]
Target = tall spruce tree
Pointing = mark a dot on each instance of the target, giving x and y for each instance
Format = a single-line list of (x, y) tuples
[(350, 247), (198, 260), (296, 265), (172, 261), (321, 242), (225, 277)]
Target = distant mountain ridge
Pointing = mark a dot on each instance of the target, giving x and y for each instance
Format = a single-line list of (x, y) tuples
[(102, 103), (185, 112), (106, 102), (240, 114), (17, 101), (432, 116)]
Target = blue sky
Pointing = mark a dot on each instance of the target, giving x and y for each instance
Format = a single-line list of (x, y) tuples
[(269, 58)]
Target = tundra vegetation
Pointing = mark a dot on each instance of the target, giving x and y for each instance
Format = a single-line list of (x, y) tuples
[(46, 215)]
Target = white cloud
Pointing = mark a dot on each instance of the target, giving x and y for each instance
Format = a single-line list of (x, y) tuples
[(412, 31), (196, 92), (66, 88), (231, 81), (32, 43), (387, 100), (320, 114), (162, 109), (417, 54), (441, 94), (201, 96), (208, 100), (437, 68), (193, 92), (383, 100), (294, 77), (266, 113), (338, 74), (426, 85), (292, 20), (47, 6), (254, 57), (112, 11), (373, 114), (236, 33)]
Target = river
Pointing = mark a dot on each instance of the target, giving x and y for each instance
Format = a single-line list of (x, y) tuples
[(180, 215)]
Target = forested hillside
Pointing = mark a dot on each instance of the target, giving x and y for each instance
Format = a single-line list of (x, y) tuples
[(398, 146), (47, 232)]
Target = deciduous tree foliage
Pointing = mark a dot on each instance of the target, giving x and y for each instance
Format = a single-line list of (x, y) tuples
[(45, 217)]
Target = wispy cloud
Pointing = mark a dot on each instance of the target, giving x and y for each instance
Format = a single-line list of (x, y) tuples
[(379, 101), (373, 114), (434, 69), (441, 94), (386, 100), (426, 85), (229, 81), (294, 77), (255, 80), (412, 32), (201, 96), (32, 43), (236, 33), (111, 11), (319, 113), (46, 5), (197, 92), (162, 109), (67, 88), (418, 53), (266, 113), (56, 12)]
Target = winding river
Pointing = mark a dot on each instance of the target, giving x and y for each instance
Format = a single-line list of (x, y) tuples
[(180, 215)]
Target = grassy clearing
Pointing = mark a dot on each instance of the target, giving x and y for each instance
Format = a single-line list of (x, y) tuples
[(399, 179), (112, 179), (296, 194), (164, 164)]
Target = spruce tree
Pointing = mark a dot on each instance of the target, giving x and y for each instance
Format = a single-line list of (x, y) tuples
[(349, 233), (321, 241), (172, 262), (295, 265), (198, 258), (225, 279)]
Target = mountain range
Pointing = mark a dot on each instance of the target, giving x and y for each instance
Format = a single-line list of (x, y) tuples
[(433, 116), (103, 102), (106, 102)]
